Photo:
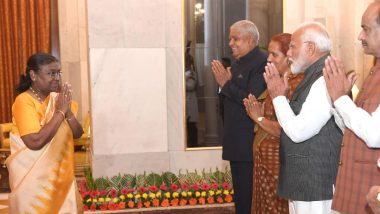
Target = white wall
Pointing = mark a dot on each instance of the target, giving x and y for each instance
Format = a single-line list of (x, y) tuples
[(342, 19), (137, 93)]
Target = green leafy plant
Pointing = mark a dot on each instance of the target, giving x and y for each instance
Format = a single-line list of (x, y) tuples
[(167, 189)]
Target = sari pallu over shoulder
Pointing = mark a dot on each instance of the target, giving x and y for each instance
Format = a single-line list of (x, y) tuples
[(43, 181)]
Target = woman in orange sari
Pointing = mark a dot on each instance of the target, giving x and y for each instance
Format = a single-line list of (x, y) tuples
[(267, 141), (41, 163)]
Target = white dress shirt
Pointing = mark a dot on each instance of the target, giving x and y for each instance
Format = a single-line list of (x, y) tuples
[(363, 124), (315, 112)]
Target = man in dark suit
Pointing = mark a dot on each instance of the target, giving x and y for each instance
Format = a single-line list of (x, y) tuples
[(244, 77)]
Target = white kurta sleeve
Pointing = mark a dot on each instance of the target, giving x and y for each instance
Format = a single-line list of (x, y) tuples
[(363, 124), (314, 114)]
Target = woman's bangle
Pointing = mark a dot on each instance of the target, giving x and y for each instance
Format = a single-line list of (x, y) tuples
[(62, 113)]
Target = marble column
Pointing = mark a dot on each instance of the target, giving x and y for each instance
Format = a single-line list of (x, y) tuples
[(212, 28)]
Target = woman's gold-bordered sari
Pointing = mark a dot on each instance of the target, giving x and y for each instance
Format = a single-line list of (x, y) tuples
[(41, 181)]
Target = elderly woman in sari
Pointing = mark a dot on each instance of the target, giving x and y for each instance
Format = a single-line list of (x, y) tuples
[(41, 163), (267, 142)]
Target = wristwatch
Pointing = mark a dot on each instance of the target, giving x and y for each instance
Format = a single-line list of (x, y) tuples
[(260, 119)]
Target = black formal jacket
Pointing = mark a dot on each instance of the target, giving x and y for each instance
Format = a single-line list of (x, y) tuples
[(247, 77)]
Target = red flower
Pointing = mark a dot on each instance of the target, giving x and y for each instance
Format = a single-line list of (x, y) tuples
[(82, 189), (202, 201), (103, 193), (195, 187), (142, 190), (84, 194), (215, 186), (139, 204), (131, 204), (124, 191), (226, 186), (228, 198), (147, 203), (153, 188), (122, 205), (174, 187), (183, 202), (83, 183), (193, 201), (184, 186), (163, 187), (205, 186), (93, 194), (131, 190), (156, 202), (165, 203), (210, 200), (85, 207), (220, 200), (103, 207), (111, 206), (113, 193), (93, 207), (174, 202)]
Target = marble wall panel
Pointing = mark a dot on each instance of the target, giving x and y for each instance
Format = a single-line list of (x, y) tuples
[(144, 23), (176, 99), (105, 23), (173, 26), (110, 165), (197, 160), (128, 99)]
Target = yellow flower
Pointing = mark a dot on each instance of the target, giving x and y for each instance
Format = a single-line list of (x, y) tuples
[(122, 197), (115, 200), (137, 196), (184, 194), (203, 194), (167, 195), (232, 192), (145, 195), (130, 195), (89, 200), (197, 194), (108, 199), (152, 195), (226, 192), (189, 194), (101, 200), (175, 194), (158, 195), (211, 192), (94, 200), (218, 192)]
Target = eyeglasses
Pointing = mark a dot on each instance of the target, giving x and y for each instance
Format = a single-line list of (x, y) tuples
[(54, 74), (292, 45)]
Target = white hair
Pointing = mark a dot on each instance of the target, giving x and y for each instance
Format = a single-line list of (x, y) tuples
[(316, 32), (247, 27)]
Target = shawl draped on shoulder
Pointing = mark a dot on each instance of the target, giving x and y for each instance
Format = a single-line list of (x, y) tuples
[(43, 181)]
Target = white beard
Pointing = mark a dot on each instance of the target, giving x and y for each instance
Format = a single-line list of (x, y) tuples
[(297, 65), (295, 68)]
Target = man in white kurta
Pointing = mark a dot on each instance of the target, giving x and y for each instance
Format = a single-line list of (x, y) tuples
[(310, 139)]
